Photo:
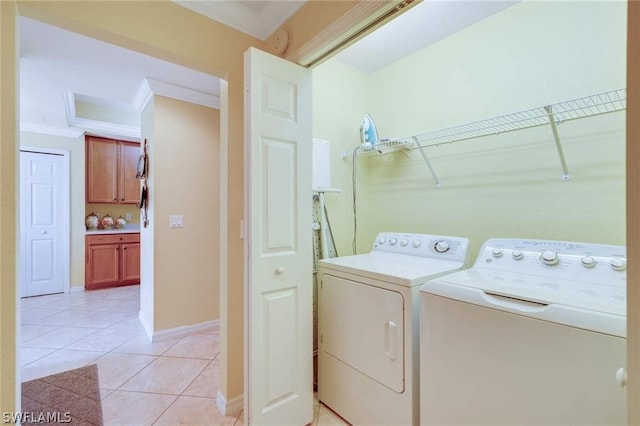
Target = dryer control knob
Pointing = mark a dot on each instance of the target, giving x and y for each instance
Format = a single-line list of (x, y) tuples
[(618, 264), (588, 262), (496, 252), (441, 247), (393, 241), (416, 243), (549, 257), (404, 243), (382, 240), (517, 254)]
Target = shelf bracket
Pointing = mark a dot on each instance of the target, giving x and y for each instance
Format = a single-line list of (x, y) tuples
[(426, 160), (554, 129)]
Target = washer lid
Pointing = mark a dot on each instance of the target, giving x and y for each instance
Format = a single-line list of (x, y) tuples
[(394, 268), (595, 296)]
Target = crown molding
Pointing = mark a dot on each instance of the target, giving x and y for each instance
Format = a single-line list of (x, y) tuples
[(69, 99), (45, 129), (142, 97), (97, 127), (257, 19), (170, 90), (147, 90), (106, 129)]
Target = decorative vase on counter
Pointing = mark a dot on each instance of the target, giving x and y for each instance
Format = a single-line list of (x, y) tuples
[(121, 222), (91, 221), (107, 222)]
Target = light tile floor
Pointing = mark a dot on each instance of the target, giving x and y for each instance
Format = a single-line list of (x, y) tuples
[(169, 382)]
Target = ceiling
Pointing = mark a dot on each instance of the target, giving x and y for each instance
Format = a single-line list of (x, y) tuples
[(259, 19), (59, 68), (425, 23)]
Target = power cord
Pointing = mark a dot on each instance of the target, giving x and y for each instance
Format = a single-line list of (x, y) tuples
[(353, 190)]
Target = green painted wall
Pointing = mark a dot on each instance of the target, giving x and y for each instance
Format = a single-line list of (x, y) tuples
[(508, 185)]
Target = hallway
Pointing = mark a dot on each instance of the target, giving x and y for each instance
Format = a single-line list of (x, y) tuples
[(141, 383)]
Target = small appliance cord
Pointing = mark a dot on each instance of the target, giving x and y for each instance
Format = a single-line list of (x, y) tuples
[(353, 189)]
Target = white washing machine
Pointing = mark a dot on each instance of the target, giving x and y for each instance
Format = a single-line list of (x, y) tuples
[(533, 333), (368, 325)]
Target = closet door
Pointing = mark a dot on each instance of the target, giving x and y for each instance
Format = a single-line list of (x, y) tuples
[(278, 281)]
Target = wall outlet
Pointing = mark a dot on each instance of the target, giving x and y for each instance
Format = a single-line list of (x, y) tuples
[(176, 221), (127, 216)]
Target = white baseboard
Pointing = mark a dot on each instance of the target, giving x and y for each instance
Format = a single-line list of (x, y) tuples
[(147, 327), (76, 289), (230, 407), (183, 330)]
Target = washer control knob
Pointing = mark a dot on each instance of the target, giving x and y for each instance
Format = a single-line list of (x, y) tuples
[(618, 264), (382, 240), (496, 252), (416, 243), (441, 247), (393, 241), (588, 262), (517, 254), (549, 257), (404, 243)]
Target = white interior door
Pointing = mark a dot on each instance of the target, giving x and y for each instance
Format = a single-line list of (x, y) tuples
[(278, 275), (44, 220)]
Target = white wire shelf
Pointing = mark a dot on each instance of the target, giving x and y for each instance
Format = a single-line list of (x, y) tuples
[(385, 146), (588, 106), (551, 115)]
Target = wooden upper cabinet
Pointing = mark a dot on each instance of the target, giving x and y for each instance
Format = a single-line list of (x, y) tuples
[(129, 186), (111, 167), (102, 170)]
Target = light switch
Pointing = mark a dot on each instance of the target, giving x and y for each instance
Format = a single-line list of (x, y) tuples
[(176, 221)]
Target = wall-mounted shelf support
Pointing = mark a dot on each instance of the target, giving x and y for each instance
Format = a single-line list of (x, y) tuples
[(426, 160), (556, 137)]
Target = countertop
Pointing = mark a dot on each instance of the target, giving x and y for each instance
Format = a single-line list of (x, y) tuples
[(129, 229)]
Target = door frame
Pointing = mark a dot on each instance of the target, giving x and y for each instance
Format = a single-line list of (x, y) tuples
[(66, 220)]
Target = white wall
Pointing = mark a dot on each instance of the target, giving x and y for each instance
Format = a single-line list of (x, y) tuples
[(509, 185)]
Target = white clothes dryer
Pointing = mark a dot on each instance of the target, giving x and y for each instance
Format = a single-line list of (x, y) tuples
[(533, 334), (368, 364)]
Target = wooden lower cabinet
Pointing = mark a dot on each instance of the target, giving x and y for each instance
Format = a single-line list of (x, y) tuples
[(112, 260)]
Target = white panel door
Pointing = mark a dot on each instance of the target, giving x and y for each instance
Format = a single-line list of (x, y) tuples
[(278, 276), (44, 219)]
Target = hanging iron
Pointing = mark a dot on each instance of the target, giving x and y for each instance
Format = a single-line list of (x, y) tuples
[(368, 133)]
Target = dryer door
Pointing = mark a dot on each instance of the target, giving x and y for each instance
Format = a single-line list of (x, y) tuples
[(362, 326)]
